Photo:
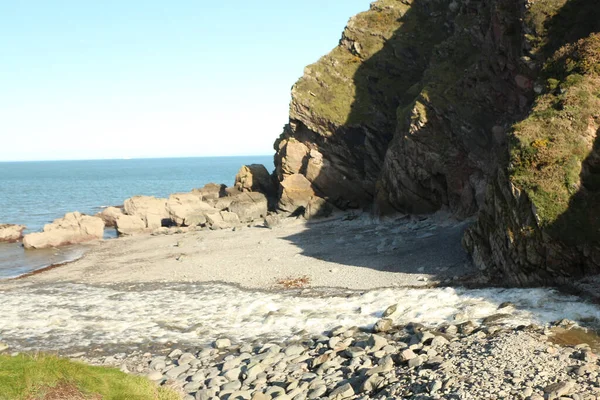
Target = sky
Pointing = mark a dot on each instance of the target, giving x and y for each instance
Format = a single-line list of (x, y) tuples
[(88, 79)]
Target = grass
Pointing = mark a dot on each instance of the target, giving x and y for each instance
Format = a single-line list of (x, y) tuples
[(48, 377), (549, 148), (395, 43)]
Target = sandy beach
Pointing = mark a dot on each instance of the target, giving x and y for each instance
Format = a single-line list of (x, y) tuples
[(360, 253)]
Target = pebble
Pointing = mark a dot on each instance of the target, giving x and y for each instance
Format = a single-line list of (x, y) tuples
[(467, 361)]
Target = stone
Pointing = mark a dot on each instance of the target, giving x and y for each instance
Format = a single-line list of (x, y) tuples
[(295, 194), (342, 392), (271, 221), (175, 372), (109, 215), (317, 392), (255, 178), (383, 325), (129, 225), (230, 218), (249, 206), (187, 209), (559, 389), (206, 394), (294, 350), (155, 375), (10, 233), (222, 343), (152, 210), (73, 228), (407, 355), (390, 310), (376, 342), (318, 207)]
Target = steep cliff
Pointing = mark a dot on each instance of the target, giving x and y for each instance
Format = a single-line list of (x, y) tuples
[(486, 108)]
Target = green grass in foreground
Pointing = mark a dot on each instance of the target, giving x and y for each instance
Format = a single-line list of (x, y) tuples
[(47, 377)]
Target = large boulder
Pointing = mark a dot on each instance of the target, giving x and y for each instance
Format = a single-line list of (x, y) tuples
[(152, 210), (249, 206), (295, 193), (72, 228), (11, 233), (211, 192), (130, 225), (255, 178), (109, 215), (188, 209)]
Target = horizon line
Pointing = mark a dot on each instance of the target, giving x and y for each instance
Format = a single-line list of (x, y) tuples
[(136, 158)]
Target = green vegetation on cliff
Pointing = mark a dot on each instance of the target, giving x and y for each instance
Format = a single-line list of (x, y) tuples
[(549, 149)]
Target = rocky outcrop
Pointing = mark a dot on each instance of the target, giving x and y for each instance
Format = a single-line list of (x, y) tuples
[(127, 225), (249, 206), (255, 178), (10, 233), (481, 108), (188, 209), (153, 211), (109, 215), (402, 112), (211, 192), (71, 229)]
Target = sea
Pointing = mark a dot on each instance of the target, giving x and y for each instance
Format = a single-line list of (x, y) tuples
[(36, 193)]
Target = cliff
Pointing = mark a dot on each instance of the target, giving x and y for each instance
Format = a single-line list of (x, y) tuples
[(484, 108)]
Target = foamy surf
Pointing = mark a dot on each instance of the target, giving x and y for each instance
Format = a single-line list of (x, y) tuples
[(67, 316)]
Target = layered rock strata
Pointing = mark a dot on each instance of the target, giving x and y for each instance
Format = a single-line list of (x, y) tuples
[(486, 109)]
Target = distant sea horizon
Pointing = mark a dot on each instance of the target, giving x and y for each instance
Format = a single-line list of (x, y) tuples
[(34, 193)]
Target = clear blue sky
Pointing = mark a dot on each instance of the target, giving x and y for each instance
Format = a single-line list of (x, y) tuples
[(82, 79)]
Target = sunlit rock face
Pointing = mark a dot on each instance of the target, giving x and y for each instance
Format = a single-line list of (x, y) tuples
[(428, 104)]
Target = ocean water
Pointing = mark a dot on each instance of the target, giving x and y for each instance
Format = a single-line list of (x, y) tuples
[(36, 193)]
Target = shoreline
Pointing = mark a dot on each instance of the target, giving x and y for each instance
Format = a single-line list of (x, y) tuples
[(136, 304)]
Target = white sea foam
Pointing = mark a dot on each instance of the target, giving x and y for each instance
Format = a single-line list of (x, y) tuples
[(63, 316)]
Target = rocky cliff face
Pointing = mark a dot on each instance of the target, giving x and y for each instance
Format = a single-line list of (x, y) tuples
[(487, 108)]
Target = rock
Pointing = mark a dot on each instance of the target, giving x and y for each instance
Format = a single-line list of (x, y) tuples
[(222, 343), (318, 208), (249, 206), (295, 194), (383, 325), (559, 389), (129, 225), (342, 392), (230, 218), (407, 355), (152, 210), (109, 215), (206, 394), (271, 221), (3, 346), (11, 233), (376, 342), (211, 192), (155, 375), (188, 209), (317, 392), (175, 372), (390, 310), (71, 229), (255, 178)]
